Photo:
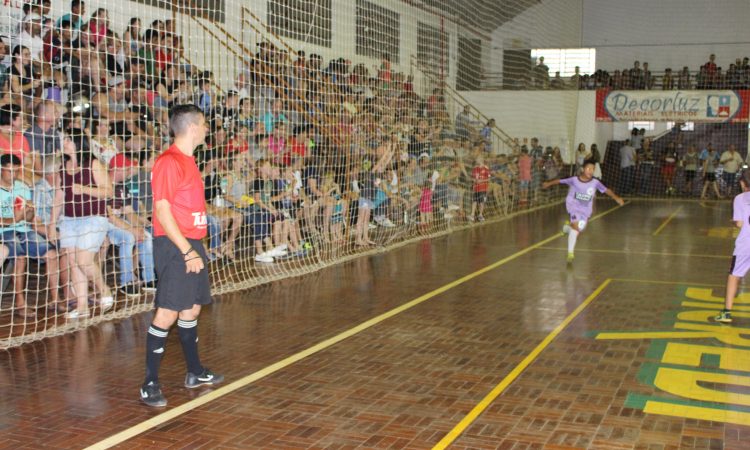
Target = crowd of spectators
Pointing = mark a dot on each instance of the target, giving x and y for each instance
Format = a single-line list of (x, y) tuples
[(299, 156), (678, 169), (640, 77)]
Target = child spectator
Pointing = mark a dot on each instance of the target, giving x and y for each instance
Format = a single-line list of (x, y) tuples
[(524, 176), (425, 204), (481, 176), (333, 192)]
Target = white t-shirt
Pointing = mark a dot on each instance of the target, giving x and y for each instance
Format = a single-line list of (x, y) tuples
[(731, 162)]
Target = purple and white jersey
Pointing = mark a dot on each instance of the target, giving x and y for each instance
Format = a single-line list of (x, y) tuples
[(742, 214), (581, 195)]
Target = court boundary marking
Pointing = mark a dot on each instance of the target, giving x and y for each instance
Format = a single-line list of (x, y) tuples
[(480, 407), (518, 370), (605, 250), (666, 221), (190, 405)]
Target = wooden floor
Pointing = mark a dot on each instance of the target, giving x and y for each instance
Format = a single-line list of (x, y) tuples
[(617, 351)]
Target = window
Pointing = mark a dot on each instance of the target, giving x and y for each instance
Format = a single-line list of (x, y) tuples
[(304, 20), (206, 9), (684, 126), (377, 31), (648, 126), (432, 49), (565, 60)]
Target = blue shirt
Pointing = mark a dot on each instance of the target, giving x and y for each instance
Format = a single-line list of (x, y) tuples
[(44, 198), (18, 194), (270, 120), (705, 153)]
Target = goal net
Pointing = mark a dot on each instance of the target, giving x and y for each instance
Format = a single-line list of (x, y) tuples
[(336, 128)]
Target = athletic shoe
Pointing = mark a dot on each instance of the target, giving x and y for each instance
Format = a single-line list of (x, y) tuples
[(566, 228), (371, 226), (152, 396), (570, 258), (480, 218), (149, 286), (74, 315), (264, 258), (131, 290), (107, 303), (277, 252), (386, 222), (453, 207), (207, 377), (471, 218), (724, 317)]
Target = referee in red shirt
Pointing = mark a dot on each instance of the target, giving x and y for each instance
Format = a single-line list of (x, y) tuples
[(179, 219)]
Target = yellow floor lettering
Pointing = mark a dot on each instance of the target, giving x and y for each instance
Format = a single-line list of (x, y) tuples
[(692, 354), (685, 383), (697, 412), (707, 295), (728, 335), (654, 335), (705, 315), (713, 306)]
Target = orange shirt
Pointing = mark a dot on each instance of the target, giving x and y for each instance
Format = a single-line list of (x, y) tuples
[(15, 144)]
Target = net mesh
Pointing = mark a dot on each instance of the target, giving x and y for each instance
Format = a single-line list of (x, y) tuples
[(337, 129)]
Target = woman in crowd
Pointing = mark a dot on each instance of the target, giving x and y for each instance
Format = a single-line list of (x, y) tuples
[(86, 186)]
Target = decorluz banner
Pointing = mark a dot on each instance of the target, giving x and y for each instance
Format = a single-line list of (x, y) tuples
[(672, 106)]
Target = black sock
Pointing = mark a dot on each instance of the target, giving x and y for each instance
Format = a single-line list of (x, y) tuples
[(156, 340), (189, 339)]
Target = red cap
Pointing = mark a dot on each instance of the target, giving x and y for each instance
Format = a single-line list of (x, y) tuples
[(120, 161)]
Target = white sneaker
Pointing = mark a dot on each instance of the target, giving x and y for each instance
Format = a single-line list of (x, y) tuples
[(74, 315), (566, 228), (386, 222), (264, 258), (447, 215), (106, 303), (371, 226), (276, 252), (453, 207)]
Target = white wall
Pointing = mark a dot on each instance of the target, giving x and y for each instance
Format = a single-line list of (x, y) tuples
[(557, 118), (666, 33), (549, 24)]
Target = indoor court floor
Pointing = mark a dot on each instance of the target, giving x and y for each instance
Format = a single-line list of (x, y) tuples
[(483, 338)]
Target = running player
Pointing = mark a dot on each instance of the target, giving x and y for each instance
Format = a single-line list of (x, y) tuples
[(580, 201), (741, 254)]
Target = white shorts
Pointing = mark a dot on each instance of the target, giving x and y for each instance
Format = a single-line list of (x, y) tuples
[(83, 233)]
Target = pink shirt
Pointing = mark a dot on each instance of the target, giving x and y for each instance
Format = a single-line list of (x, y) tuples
[(524, 168), (276, 145)]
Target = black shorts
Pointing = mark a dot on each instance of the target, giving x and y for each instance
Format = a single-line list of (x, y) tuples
[(709, 177), (175, 289), (480, 197)]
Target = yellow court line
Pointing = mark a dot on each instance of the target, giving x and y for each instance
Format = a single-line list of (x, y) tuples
[(242, 382), (693, 283), (494, 393), (667, 220), (619, 252)]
